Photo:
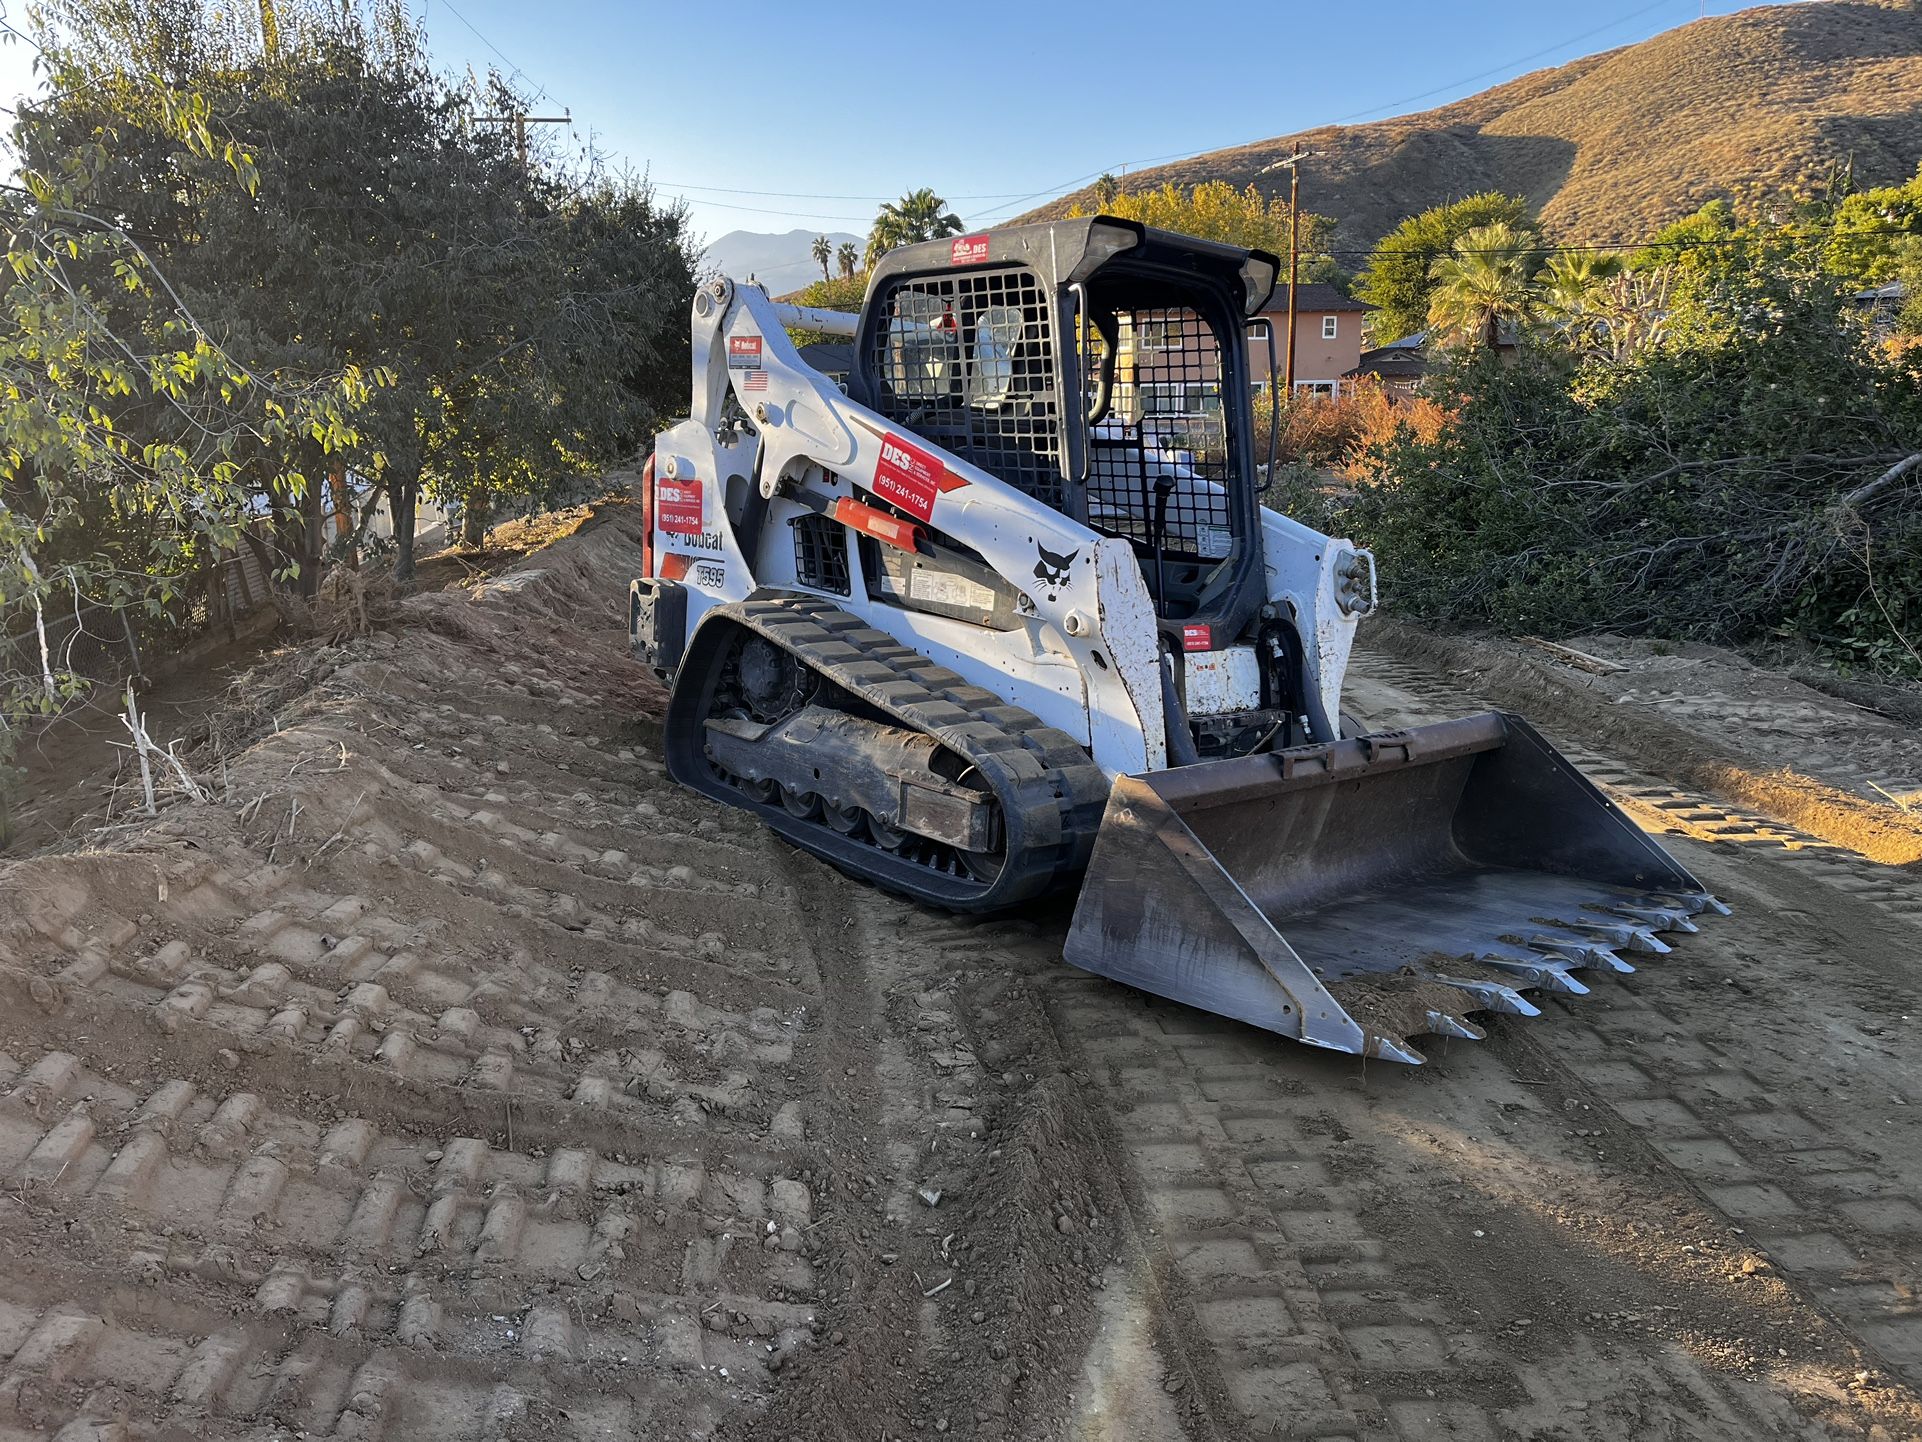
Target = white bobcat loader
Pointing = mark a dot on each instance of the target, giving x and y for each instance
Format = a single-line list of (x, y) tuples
[(1008, 615)]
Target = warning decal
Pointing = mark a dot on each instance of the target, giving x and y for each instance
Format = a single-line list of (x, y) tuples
[(909, 477), (677, 506), (1197, 638), (970, 249), (744, 352)]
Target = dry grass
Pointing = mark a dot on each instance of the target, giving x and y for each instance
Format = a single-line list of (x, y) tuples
[(1613, 146)]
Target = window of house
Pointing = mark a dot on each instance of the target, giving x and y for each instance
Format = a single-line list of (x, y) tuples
[(1329, 325)]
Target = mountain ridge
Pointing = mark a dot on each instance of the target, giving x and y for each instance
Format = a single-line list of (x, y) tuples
[(781, 260), (1612, 146)]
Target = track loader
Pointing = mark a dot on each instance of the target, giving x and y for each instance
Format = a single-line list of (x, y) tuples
[(1006, 614)]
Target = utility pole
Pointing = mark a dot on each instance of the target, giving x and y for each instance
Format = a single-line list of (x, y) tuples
[(520, 120), (269, 31), (1293, 166)]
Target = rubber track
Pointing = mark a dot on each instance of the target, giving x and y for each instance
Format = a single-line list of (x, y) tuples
[(1051, 793)]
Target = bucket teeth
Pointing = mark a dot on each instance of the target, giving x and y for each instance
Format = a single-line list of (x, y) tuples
[(1661, 918), (1492, 996), (1393, 1048), (1577, 952), (1440, 1023), (1547, 973), (1694, 903), (1623, 933)]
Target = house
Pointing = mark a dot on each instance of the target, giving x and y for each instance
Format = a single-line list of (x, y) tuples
[(833, 359), (1879, 306), (1397, 367), (1327, 338), (1166, 364)]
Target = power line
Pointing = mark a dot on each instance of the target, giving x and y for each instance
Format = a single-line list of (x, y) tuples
[(1620, 20), (815, 195), (790, 214), (540, 91)]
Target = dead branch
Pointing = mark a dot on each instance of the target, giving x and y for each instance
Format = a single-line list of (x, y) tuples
[(1861, 495)]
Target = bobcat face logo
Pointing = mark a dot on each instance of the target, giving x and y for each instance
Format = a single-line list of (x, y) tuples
[(1052, 570)]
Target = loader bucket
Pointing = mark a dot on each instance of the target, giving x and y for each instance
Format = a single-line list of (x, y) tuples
[(1354, 894)]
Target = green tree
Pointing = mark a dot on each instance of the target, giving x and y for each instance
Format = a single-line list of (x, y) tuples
[(847, 257), (1106, 189), (1713, 242), (575, 383), (138, 443), (1215, 210), (823, 251), (1908, 270), (1570, 280), (919, 215), (448, 262), (1397, 280), (1483, 288), (1577, 297), (1868, 230)]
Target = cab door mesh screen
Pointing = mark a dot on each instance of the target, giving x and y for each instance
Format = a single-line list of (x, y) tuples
[(967, 361), (1160, 456)]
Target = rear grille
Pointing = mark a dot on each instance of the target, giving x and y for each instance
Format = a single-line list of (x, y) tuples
[(821, 553)]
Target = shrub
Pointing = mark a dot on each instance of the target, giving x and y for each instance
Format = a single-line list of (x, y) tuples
[(1751, 474)]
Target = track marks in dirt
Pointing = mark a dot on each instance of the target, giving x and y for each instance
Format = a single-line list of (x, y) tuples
[(1767, 1060), (978, 1213), (1356, 1251), (453, 1081)]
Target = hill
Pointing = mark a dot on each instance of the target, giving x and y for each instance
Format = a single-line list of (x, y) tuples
[(1614, 145), (780, 262)]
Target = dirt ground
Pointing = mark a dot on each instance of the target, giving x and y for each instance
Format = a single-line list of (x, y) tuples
[(78, 771), (457, 1076)]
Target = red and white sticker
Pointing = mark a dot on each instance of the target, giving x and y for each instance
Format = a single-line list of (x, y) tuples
[(744, 352), (1198, 638), (970, 249), (677, 506), (909, 477), (754, 381)]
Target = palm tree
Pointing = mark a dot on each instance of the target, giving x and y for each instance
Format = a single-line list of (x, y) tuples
[(848, 256), (1105, 191), (918, 215), (1570, 282), (823, 249), (1482, 287)]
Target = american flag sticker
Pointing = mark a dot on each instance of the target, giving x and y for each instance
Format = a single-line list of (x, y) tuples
[(754, 381)]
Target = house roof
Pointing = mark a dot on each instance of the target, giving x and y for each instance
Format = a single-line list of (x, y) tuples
[(830, 357), (1317, 297), (1391, 362)]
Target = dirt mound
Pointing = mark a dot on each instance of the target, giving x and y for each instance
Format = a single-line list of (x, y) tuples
[(454, 1075), (1709, 719)]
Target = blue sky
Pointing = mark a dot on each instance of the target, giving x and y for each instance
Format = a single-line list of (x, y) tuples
[(997, 105)]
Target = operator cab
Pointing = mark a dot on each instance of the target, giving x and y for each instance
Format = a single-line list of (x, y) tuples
[(1100, 367)]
